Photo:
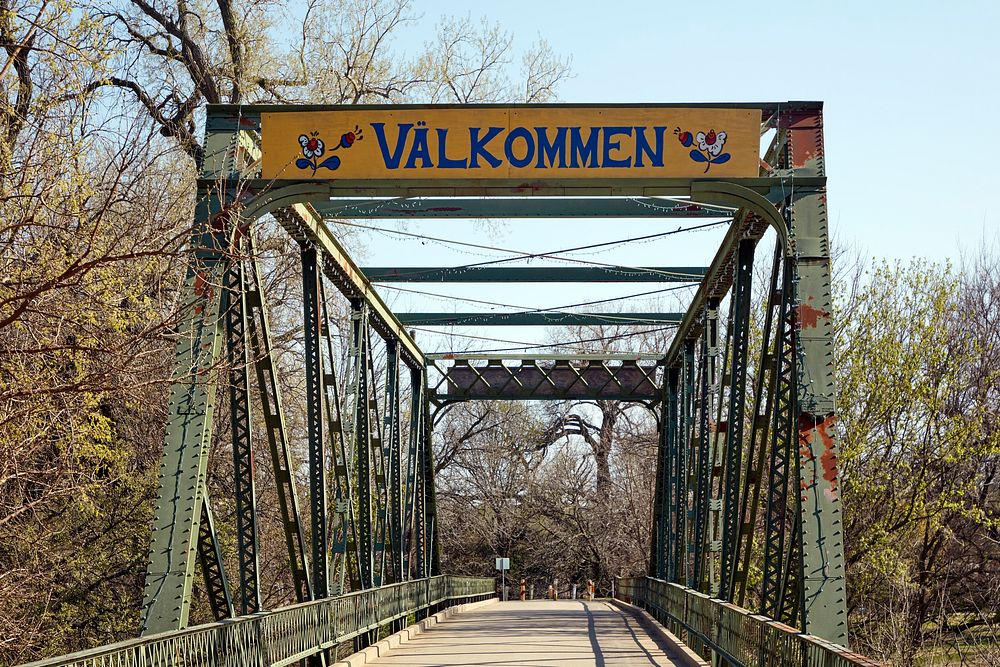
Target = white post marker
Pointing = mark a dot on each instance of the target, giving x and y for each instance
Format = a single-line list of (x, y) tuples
[(503, 564)]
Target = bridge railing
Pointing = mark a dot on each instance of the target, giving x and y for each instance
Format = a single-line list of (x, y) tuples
[(738, 636), (284, 636)]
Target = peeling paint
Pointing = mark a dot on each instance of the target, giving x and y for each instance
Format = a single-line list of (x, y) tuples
[(813, 433), (829, 457), (808, 316), (202, 290)]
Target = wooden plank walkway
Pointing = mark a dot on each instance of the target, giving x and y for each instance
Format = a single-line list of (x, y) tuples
[(541, 633)]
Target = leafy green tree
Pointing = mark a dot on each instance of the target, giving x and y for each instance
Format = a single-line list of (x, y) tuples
[(919, 451)]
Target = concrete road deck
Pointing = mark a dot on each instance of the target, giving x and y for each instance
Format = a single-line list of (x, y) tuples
[(542, 633)]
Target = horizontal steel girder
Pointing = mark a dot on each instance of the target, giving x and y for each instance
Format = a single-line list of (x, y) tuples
[(536, 319), (561, 356), (517, 207), (535, 274), (561, 380)]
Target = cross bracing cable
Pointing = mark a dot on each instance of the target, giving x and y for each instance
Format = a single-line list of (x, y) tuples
[(528, 309), (552, 254), (488, 339), (569, 343), (603, 244)]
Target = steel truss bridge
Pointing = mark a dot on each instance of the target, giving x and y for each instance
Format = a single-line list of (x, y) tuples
[(747, 442)]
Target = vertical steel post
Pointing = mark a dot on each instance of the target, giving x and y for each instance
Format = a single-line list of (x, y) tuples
[(433, 547), (377, 451), (781, 473), (241, 433), (684, 441), (673, 388), (733, 454), (361, 442), (412, 460), (658, 541), (713, 565), (392, 438), (709, 357), (315, 420), (823, 591)]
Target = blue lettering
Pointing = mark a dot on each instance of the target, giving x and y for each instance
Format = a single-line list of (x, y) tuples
[(642, 147), (586, 152), (548, 150), (445, 162), (391, 162), (420, 150), (529, 143), (609, 145), (478, 147)]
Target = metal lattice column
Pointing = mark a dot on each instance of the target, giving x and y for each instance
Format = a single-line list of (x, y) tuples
[(315, 419), (733, 455), (703, 484), (242, 438)]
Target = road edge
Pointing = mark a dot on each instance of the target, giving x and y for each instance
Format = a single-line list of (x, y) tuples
[(381, 649), (681, 651)]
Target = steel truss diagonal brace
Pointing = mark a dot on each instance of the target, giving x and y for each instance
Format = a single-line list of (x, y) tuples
[(172, 550), (259, 334), (212, 567)]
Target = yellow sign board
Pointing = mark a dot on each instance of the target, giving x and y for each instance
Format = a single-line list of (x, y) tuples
[(491, 143)]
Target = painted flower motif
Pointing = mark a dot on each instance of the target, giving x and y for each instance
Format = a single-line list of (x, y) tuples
[(313, 149), (711, 142), (710, 145), (312, 146)]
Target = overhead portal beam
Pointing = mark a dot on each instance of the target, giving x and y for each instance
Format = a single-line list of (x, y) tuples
[(537, 319), (536, 379), (516, 207), (535, 274), (564, 356)]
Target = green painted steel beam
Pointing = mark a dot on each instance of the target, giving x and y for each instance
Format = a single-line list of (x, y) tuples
[(515, 207), (535, 274), (568, 189), (524, 319)]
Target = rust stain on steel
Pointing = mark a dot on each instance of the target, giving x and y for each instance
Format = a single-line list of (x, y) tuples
[(806, 128), (531, 187), (807, 425), (808, 316), (202, 290), (828, 459), (819, 431)]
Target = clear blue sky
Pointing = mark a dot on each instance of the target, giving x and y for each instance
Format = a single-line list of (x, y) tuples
[(912, 98)]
